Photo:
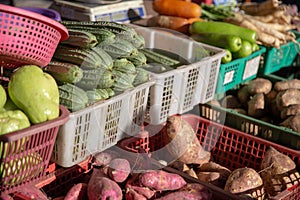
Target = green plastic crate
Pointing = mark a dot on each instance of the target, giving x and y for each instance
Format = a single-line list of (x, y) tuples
[(275, 59), (238, 71), (278, 134)]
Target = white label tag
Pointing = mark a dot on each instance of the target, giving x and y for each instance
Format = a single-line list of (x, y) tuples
[(228, 77), (251, 67)]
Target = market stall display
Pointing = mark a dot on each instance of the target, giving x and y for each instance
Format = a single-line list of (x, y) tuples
[(105, 115)]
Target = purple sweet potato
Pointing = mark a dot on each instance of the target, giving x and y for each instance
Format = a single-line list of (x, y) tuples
[(119, 169), (133, 184), (5, 196), (77, 192), (191, 191), (161, 180), (104, 157), (133, 195), (100, 187), (31, 192)]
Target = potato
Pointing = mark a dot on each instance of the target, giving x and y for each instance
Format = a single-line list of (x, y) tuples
[(259, 85), (209, 177), (278, 172), (245, 181), (182, 142), (292, 122), (77, 192), (288, 84), (243, 94), (290, 110), (230, 101), (256, 106), (100, 187), (288, 97), (161, 180), (119, 169)]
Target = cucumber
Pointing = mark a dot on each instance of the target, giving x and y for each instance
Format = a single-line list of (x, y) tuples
[(231, 42), (222, 27)]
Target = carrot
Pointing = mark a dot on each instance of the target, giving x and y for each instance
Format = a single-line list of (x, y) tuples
[(177, 8), (179, 24)]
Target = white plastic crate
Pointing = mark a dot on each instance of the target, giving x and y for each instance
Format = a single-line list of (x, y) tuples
[(101, 126), (179, 90)]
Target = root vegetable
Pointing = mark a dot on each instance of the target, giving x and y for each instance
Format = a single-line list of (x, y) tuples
[(259, 85), (245, 181), (256, 106), (179, 166), (182, 142), (240, 110), (179, 24), (140, 190), (5, 196), (32, 192), (104, 157), (278, 172), (243, 94), (77, 192), (288, 84), (101, 187), (191, 172), (192, 191), (261, 8), (177, 8), (230, 101), (288, 97), (119, 169), (291, 110), (209, 177), (292, 122), (161, 181)]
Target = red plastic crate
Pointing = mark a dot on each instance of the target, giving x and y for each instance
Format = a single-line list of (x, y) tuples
[(17, 147), (229, 147), (59, 182)]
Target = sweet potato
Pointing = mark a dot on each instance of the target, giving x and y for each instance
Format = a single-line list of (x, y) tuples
[(192, 191), (119, 169), (5, 196), (179, 166), (77, 192), (245, 181), (182, 142), (209, 177), (104, 157), (278, 172), (133, 185), (133, 195), (288, 84), (161, 180), (222, 172), (32, 192), (191, 172), (292, 122), (259, 85), (100, 187)]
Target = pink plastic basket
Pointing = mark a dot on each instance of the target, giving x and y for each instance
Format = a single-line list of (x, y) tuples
[(27, 37)]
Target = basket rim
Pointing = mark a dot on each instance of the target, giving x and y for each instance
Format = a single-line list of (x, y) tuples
[(38, 17), (33, 129)]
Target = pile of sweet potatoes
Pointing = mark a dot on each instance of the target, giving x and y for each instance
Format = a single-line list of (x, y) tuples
[(276, 102), (276, 173)]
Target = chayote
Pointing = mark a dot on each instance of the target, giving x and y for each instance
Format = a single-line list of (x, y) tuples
[(3, 96), (35, 92), (12, 120)]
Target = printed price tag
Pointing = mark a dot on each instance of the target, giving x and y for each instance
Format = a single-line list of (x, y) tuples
[(251, 67), (228, 77)]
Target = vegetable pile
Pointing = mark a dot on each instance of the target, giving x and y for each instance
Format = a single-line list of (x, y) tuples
[(276, 102)]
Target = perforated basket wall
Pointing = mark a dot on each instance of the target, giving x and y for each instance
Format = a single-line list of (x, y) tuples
[(179, 90), (27, 37), (25, 154), (101, 126)]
